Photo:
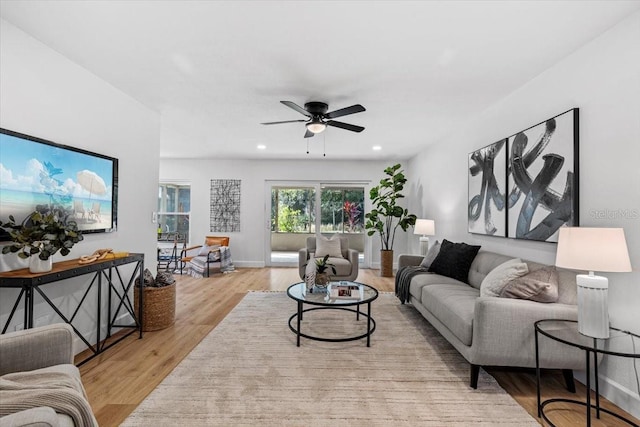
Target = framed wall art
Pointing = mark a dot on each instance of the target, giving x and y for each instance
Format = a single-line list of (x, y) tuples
[(225, 205), (542, 179), (487, 177)]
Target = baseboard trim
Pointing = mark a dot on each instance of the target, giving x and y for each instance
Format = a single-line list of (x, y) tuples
[(623, 397), (249, 264)]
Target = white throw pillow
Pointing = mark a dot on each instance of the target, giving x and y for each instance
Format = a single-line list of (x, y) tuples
[(498, 278), (326, 246)]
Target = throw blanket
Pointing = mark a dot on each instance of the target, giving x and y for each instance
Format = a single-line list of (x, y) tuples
[(403, 280), (62, 392), (198, 265), (226, 265)]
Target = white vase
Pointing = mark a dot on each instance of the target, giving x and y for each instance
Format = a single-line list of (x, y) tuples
[(36, 265)]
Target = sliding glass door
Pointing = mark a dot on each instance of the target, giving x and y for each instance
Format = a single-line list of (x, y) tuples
[(299, 210)]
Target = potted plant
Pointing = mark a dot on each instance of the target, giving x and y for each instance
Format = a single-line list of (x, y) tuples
[(322, 277), (40, 235), (386, 215)]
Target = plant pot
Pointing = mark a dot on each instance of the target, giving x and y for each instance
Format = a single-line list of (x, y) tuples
[(36, 265), (386, 263), (322, 279)]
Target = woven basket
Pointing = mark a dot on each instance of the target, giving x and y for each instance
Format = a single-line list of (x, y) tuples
[(158, 307)]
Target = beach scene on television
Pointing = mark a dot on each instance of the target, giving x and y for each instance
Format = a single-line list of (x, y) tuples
[(36, 174)]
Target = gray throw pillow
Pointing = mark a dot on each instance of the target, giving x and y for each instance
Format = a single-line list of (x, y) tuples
[(432, 253), (497, 279), (539, 285)]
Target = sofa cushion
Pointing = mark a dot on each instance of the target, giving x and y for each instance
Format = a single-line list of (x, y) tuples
[(497, 279), (342, 266), (454, 260), (454, 306), (482, 265), (540, 285), (421, 280)]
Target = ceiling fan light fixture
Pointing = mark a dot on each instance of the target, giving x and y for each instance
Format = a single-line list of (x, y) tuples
[(316, 126)]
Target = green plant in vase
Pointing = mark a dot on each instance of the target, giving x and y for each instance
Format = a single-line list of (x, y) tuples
[(386, 215), (41, 235), (322, 264)]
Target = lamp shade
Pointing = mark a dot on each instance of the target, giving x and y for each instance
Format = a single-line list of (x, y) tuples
[(316, 126), (593, 249), (426, 227)]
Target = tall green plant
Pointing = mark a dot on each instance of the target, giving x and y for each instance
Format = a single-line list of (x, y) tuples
[(386, 215)]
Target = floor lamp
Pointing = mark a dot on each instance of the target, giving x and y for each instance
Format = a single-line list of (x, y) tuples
[(593, 249), (426, 227)]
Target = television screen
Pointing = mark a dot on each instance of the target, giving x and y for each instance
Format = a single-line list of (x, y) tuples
[(36, 174)]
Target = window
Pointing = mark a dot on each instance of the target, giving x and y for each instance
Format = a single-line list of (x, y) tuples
[(293, 210), (174, 207), (341, 210)]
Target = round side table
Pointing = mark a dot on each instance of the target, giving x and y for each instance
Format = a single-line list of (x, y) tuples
[(620, 343)]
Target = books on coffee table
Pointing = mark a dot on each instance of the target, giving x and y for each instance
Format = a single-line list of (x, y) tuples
[(345, 291)]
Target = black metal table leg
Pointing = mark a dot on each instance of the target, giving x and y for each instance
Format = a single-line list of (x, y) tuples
[(299, 318), (595, 369), (588, 390), (28, 321), (538, 372), (368, 324)]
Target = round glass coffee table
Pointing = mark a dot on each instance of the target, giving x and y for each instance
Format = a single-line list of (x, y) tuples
[(343, 295)]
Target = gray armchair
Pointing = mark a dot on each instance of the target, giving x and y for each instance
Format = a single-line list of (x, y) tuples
[(46, 353), (346, 265)]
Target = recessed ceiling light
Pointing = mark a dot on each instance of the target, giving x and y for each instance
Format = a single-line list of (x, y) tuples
[(262, 147), (376, 148)]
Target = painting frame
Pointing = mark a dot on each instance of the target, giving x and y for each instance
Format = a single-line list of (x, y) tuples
[(225, 205), (543, 178), (487, 186)]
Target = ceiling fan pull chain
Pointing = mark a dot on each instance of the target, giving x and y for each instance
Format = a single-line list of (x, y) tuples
[(324, 145), (307, 146)]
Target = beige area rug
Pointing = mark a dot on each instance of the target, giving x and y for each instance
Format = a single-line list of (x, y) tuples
[(249, 372)]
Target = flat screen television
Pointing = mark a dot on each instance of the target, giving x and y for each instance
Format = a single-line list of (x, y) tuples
[(36, 174)]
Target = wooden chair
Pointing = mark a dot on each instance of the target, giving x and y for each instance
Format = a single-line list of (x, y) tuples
[(208, 253)]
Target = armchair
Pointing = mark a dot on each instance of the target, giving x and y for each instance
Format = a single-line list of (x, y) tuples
[(199, 259), (346, 265), (40, 383)]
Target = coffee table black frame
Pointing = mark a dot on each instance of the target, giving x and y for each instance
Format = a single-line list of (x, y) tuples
[(566, 332), (322, 302)]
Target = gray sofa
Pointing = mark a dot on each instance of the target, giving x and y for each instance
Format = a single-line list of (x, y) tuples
[(492, 331), (44, 354)]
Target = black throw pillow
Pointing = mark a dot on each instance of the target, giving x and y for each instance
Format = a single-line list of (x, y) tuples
[(454, 260)]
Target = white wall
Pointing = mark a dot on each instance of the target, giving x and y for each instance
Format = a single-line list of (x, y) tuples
[(45, 95), (603, 80), (248, 246)]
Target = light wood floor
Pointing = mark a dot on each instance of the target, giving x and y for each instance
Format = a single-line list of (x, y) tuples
[(119, 379)]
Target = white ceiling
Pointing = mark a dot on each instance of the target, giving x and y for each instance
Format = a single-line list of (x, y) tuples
[(216, 69)]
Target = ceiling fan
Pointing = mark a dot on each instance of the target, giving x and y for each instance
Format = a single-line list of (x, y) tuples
[(319, 119)]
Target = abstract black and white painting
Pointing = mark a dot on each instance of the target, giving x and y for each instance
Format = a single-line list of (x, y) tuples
[(487, 189), (225, 205), (542, 179)]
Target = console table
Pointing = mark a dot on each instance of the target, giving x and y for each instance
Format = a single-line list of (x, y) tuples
[(104, 271)]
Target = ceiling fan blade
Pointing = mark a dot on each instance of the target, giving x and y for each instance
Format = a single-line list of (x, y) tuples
[(286, 121), (296, 107), (308, 134), (347, 126), (345, 111)]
